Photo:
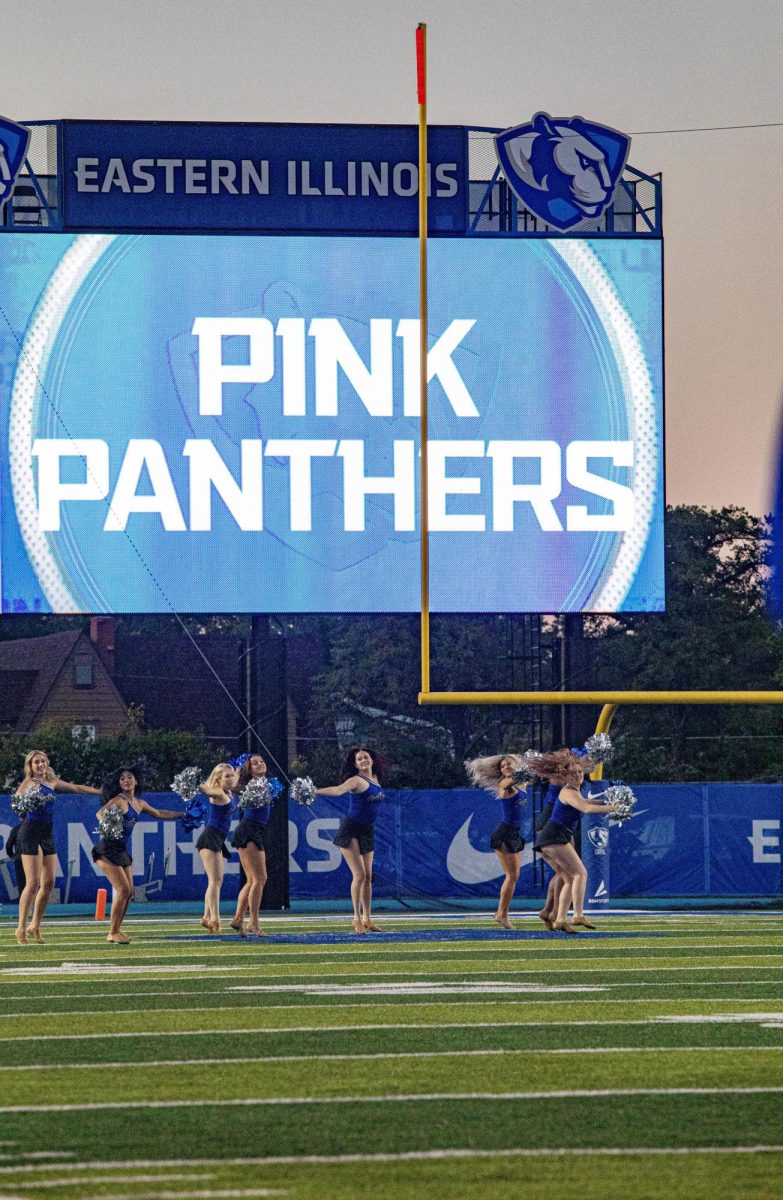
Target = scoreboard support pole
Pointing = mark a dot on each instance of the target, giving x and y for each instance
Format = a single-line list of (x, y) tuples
[(421, 87), (268, 722)]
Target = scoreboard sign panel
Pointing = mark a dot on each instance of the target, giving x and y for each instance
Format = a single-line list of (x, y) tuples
[(219, 423), (271, 178)]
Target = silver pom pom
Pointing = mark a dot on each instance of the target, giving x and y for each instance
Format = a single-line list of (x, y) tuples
[(186, 783), (599, 748), (620, 794), (303, 790), (111, 824), (256, 793), (29, 801), (526, 772)]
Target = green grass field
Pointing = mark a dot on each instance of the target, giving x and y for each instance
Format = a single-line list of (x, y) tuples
[(646, 1063)]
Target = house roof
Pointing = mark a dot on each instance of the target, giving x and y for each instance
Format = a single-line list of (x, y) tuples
[(29, 668)]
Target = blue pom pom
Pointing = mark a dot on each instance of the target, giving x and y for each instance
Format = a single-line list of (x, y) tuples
[(195, 813), (275, 787)]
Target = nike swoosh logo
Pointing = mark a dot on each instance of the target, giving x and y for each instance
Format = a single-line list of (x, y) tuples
[(465, 864), (596, 795)]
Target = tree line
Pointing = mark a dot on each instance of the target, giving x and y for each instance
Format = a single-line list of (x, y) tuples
[(716, 634)]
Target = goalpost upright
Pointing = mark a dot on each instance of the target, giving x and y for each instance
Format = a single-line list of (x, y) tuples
[(609, 700)]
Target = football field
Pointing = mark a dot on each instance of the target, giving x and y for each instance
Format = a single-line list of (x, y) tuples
[(440, 1058)]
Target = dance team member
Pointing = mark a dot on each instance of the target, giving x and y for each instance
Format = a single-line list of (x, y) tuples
[(211, 844), (35, 843), (566, 770), (249, 841), (549, 911), (111, 853), (362, 773), (496, 774), (601, 752)]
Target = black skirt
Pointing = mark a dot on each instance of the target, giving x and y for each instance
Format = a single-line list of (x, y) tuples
[(351, 830), (212, 839), (249, 833), (34, 836), (112, 851), (507, 838), (553, 834)]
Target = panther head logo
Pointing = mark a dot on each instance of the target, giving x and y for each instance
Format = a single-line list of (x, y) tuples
[(14, 140), (598, 837), (563, 170)]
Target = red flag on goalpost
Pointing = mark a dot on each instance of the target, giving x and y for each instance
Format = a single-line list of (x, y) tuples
[(421, 64)]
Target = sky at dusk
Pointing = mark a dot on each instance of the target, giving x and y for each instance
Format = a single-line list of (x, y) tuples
[(657, 65)]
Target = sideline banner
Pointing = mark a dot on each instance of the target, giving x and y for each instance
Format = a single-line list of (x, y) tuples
[(717, 839), (684, 840), (428, 844)]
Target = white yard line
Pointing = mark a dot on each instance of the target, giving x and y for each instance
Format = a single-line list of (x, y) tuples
[(452, 1001), (295, 970), (474, 987), (223, 1194), (437, 987), (401, 975), (432, 1025), (391, 1098), (140, 1064), (242, 968), (693, 939), (286, 1160), (211, 1194), (230, 961), (201, 1177), (80, 969), (252, 988)]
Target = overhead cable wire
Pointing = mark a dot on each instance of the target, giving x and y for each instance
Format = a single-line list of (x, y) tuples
[(248, 727), (707, 129)]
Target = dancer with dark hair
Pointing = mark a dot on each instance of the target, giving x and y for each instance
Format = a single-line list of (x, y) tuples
[(549, 911), (119, 812), (566, 770), (211, 844), (362, 774), (249, 841), (496, 774), (35, 843)]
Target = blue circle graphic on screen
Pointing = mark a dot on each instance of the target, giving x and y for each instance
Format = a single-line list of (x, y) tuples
[(231, 423)]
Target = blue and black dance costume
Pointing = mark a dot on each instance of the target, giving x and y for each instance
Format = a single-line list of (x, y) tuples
[(559, 830), (213, 835), (115, 850), (550, 796), (35, 831), (506, 836), (361, 817), (252, 827)]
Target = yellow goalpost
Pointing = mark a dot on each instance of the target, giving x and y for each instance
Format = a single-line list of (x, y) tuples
[(609, 700)]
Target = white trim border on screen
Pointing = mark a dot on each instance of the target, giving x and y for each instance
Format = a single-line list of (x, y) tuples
[(28, 392), (640, 409)]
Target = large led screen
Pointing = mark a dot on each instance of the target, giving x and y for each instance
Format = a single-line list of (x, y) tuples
[(232, 424)]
